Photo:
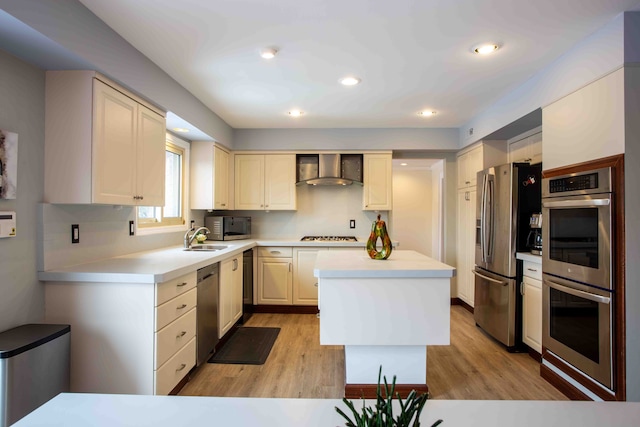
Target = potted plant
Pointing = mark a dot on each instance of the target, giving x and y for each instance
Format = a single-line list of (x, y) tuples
[(381, 415)]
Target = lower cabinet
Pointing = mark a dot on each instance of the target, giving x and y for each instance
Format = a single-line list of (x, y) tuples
[(531, 290), (305, 284), (275, 275), (230, 294), (128, 338)]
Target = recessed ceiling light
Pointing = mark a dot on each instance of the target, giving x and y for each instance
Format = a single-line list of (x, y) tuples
[(486, 48), (296, 113), (427, 113), (183, 130), (350, 81), (268, 53), (403, 164)]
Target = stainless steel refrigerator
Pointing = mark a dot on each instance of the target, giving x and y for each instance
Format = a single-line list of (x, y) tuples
[(507, 196)]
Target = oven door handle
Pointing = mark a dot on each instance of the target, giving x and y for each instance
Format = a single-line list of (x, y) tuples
[(578, 293), (576, 203), (501, 282)]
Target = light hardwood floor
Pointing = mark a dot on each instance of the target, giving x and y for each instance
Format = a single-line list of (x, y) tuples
[(473, 367)]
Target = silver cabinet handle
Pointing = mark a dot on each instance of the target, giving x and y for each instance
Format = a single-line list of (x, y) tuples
[(223, 204), (315, 284), (182, 306), (289, 266), (522, 288), (532, 269), (235, 264), (503, 283), (182, 366), (181, 284), (181, 334), (578, 293), (274, 252)]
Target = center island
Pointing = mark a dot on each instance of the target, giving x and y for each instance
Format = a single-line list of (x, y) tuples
[(384, 313)]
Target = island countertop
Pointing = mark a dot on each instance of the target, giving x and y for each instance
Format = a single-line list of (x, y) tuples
[(401, 264)]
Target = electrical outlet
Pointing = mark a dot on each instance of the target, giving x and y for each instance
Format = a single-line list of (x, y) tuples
[(75, 233), (131, 228), (352, 223)]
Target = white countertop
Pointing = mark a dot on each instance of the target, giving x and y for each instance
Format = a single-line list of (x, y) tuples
[(72, 410), (164, 264), (399, 264), (528, 256)]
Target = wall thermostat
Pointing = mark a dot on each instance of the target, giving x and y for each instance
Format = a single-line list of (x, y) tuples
[(7, 224)]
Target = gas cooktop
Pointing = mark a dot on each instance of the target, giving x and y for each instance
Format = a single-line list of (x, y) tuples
[(329, 239)]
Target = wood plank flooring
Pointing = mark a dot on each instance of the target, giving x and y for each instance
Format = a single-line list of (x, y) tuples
[(473, 367)]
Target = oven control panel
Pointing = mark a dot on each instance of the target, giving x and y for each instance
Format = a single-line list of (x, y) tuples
[(578, 182)]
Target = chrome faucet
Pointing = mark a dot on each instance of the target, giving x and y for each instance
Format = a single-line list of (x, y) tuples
[(189, 238)]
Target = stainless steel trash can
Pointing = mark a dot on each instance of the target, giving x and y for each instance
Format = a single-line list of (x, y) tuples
[(34, 367)]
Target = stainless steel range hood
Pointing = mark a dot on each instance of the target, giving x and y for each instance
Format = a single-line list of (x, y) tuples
[(330, 169)]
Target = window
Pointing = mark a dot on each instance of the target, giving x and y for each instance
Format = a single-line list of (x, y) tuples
[(173, 213)]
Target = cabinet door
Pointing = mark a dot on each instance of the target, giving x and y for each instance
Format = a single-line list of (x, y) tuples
[(225, 292), (114, 146), (274, 281), (465, 242), (474, 165), (249, 182), (236, 304), (532, 313), (377, 174), (221, 179), (305, 284), (280, 182), (150, 155)]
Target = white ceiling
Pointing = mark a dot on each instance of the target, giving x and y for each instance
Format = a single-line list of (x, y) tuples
[(410, 54)]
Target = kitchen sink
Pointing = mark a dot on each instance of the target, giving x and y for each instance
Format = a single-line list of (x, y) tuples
[(206, 248)]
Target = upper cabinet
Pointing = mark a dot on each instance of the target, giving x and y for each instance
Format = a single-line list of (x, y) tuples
[(587, 124), (377, 185), (482, 155), (265, 181), (209, 176), (102, 143), (526, 147)]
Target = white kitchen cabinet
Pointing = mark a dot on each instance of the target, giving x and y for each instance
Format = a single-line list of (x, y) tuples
[(305, 284), (128, 338), (209, 176), (377, 182), (526, 149), (275, 275), (531, 290), (265, 182), (478, 157), (102, 143), (230, 294), (465, 243)]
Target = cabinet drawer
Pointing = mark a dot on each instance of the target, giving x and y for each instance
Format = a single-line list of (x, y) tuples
[(171, 310), (532, 269), (275, 252), (174, 336), (170, 374), (172, 288)]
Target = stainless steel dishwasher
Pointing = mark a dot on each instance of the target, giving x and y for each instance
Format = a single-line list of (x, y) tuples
[(207, 311)]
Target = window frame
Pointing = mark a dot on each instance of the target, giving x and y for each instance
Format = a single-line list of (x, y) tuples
[(173, 144)]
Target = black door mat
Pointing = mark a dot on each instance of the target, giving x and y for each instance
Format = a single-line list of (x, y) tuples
[(247, 346)]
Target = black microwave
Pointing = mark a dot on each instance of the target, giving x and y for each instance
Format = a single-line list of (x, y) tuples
[(228, 227)]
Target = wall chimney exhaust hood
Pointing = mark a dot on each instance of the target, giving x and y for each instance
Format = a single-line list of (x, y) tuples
[(329, 169)]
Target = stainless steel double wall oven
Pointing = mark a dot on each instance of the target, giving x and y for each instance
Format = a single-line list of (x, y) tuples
[(578, 288)]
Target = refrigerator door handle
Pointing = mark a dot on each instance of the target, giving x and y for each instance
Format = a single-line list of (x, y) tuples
[(501, 282), (490, 218), (483, 219)]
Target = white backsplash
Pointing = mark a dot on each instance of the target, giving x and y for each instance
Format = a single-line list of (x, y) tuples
[(104, 233), (104, 230), (322, 210)]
